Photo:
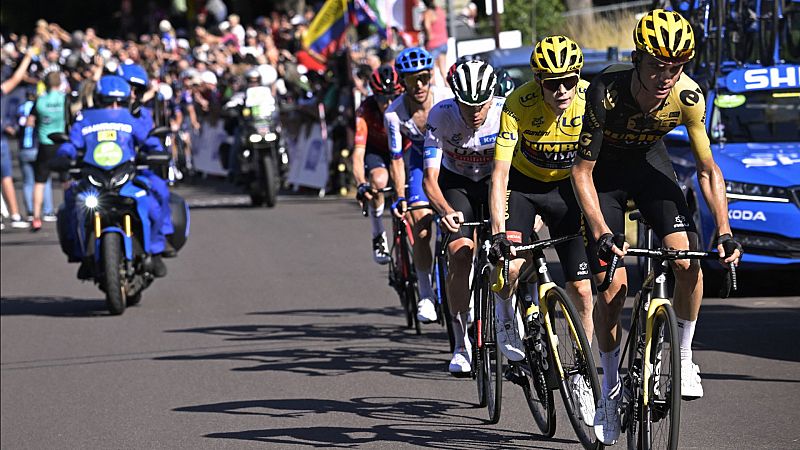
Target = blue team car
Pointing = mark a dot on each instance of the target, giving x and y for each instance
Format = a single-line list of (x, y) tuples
[(753, 121)]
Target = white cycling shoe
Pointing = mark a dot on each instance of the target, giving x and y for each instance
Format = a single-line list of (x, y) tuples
[(691, 385), (583, 394), (426, 312), (508, 340)]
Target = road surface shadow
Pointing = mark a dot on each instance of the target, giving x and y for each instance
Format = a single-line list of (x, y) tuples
[(394, 311), (425, 423), (28, 243), (52, 306)]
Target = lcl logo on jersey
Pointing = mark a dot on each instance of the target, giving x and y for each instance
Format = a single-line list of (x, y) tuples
[(527, 100), (574, 122), (507, 135)]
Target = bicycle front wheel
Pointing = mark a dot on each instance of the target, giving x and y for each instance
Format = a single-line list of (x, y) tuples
[(538, 394), (573, 363), (490, 376), (659, 425)]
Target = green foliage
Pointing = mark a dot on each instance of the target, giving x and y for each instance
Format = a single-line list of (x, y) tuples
[(519, 15)]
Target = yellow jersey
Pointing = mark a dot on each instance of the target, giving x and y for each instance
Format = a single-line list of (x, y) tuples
[(538, 143)]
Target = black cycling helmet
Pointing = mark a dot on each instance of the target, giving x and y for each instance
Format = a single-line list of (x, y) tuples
[(505, 84), (473, 83), (384, 81)]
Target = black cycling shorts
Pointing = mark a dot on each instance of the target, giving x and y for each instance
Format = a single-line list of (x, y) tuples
[(465, 195), (556, 203), (649, 180), (41, 167), (374, 161)]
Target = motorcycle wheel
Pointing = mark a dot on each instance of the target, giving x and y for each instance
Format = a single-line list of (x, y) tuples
[(271, 181), (111, 253)]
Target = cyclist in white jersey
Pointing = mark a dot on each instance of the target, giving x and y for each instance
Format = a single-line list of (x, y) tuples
[(459, 155), (406, 118)]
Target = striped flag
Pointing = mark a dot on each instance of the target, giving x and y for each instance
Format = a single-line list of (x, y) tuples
[(326, 31), (369, 11)]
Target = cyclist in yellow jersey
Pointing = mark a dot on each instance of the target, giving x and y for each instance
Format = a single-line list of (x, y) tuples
[(622, 157), (536, 145)]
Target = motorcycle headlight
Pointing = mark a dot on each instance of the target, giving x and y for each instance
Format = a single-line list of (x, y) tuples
[(90, 201), (270, 137), (121, 179), (756, 192), (95, 181), (255, 138)]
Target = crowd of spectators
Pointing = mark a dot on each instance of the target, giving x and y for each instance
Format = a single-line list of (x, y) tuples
[(198, 67)]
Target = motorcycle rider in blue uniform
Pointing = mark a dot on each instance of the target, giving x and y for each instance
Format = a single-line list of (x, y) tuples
[(112, 120), (137, 78)]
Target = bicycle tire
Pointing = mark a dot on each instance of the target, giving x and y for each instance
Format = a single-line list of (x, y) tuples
[(480, 352), (630, 418), (659, 425), (495, 386), (446, 315), (574, 359), (538, 395)]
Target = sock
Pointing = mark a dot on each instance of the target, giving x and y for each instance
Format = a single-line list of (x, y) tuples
[(424, 283), (375, 216), (503, 308), (685, 336), (460, 332), (609, 361)]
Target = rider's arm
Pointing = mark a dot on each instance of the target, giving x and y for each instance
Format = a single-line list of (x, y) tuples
[(9, 84), (507, 138), (397, 169), (588, 151), (432, 161), (359, 148), (712, 184)]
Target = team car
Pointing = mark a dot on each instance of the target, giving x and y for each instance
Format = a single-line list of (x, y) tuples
[(753, 121)]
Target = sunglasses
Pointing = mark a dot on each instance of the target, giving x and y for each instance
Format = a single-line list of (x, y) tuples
[(552, 84), (385, 98), (412, 80)]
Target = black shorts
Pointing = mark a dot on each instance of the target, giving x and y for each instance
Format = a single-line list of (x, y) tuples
[(374, 160), (556, 203), (41, 167), (649, 180), (465, 195)]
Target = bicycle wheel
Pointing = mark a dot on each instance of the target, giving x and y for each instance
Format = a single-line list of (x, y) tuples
[(494, 385), (631, 381), (440, 274), (659, 425), (537, 394), (480, 356), (573, 362)]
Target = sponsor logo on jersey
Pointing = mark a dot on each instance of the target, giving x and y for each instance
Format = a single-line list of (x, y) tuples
[(490, 139), (537, 122), (746, 214), (536, 133), (528, 99), (610, 99), (689, 97), (680, 222), (573, 122), (456, 138), (510, 113), (124, 127), (507, 135), (641, 139), (583, 268)]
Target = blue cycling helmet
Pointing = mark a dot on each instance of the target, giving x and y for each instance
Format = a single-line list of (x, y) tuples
[(412, 60), (111, 88), (133, 74)]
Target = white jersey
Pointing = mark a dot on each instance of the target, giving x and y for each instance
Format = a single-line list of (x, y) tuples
[(399, 123), (451, 143)]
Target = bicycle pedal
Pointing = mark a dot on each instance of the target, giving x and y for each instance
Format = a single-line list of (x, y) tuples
[(513, 375)]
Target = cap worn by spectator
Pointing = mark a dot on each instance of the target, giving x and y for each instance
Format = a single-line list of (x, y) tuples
[(208, 77)]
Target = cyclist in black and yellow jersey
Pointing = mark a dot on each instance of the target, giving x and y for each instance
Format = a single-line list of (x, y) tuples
[(621, 157), (535, 148)]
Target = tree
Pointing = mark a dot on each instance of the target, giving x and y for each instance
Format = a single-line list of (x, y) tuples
[(525, 15)]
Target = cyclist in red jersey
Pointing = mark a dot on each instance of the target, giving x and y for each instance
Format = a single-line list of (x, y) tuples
[(371, 153)]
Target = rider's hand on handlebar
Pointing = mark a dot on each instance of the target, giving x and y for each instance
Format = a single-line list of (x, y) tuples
[(730, 250), (501, 248), (399, 207), (606, 248), (452, 221), (364, 192)]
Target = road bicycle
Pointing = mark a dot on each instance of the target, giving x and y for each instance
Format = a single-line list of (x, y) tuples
[(558, 355), (651, 402)]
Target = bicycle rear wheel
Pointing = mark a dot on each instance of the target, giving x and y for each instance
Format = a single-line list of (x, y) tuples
[(659, 426), (537, 394), (573, 362)]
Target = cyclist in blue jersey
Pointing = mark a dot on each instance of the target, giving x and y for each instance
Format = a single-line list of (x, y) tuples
[(406, 117), (112, 121)]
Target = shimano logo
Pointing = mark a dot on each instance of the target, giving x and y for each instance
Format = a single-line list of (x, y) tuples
[(746, 214), (775, 77)]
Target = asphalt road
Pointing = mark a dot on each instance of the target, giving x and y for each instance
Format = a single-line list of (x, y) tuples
[(274, 329)]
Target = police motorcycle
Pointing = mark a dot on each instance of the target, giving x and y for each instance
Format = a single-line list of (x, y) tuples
[(261, 160), (105, 221)]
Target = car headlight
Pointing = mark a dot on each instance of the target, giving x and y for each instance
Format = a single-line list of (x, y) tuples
[(255, 138), (736, 190)]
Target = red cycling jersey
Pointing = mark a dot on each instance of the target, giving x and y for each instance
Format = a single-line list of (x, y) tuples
[(370, 131)]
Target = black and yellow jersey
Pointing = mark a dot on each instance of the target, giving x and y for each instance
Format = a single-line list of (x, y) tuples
[(614, 124), (536, 142)]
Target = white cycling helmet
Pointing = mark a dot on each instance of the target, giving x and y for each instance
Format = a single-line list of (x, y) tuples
[(268, 74), (473, 82)]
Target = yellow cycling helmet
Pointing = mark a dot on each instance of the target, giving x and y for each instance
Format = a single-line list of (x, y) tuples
[(665, 35), (556, 55)]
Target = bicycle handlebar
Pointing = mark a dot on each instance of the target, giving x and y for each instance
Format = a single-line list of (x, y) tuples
[(365, 203), (665, 254), (446, 234), (502, 275)]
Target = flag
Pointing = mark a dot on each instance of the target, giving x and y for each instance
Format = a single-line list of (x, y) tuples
[(326, 31), (368, 11)]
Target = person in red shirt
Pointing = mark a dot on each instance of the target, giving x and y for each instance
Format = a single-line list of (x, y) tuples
[(371, 153), (434, 21)]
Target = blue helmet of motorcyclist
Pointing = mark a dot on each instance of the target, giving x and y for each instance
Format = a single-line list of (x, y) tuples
[(136, 76), (111, 90)]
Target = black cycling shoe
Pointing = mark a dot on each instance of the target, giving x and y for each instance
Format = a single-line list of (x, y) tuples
[(169, 251), (158, 267)]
